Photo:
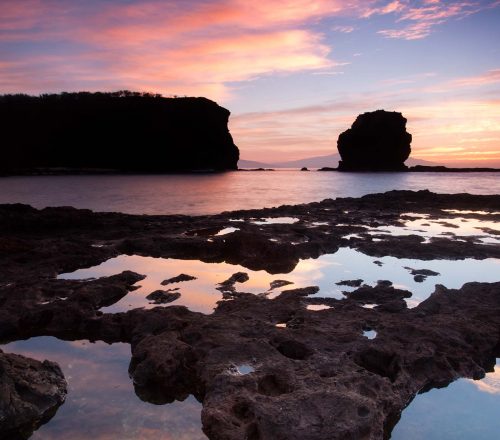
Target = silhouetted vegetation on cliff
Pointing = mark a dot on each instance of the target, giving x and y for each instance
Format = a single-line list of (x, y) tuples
[(124, 131)]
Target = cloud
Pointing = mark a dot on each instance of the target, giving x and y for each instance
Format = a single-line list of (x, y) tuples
[(452, 131), (490, 77), (171, 47), (420, 18), (344, 29)]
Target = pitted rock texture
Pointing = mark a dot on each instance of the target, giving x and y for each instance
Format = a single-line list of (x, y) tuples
[(315, 376), (376, 141), (30, 393)]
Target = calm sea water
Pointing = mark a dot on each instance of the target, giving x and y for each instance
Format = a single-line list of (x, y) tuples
[(214, 193)]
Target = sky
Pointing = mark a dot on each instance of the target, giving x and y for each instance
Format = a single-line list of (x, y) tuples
[(294, 74)]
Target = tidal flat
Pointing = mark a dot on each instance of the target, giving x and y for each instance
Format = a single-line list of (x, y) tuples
[(311, 321)]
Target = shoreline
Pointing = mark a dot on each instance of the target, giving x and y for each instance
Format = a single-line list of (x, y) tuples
[(111, 172), (316, 362)]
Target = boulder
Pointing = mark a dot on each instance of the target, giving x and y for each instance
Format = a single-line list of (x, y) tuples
[(376, 141), (30, 394)]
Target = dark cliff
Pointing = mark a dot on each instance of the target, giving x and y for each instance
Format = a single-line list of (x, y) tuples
[(121, 131), (376, 141)]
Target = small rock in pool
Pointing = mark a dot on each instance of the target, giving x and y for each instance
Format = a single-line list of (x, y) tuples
[(178, 279), (276, 284), (163, 296), (350, 283), (420, 275), (228, 285)]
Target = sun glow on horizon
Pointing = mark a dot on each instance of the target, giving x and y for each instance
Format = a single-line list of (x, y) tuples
[(294, 73)]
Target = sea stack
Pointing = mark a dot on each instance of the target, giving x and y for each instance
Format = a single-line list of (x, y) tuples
[(116, 132), (376, 141)]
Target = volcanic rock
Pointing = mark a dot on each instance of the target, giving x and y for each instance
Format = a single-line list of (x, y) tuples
[(178, 279), (314, 378), (376, 141), (164, 296), (30, 393)]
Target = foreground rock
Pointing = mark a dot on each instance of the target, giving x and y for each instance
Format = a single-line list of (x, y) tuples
[(104, 130), (30, 393), (376, 141), (311, 373), (164, 296)]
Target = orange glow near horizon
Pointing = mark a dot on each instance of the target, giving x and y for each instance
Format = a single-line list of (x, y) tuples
[(294, 73)]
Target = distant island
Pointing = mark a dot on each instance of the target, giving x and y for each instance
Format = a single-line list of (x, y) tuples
[(117, 132)]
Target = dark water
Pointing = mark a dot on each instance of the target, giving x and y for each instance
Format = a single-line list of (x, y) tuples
[(214, 193)]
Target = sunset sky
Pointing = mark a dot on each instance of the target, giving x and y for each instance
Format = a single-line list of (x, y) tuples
[(293, 73)]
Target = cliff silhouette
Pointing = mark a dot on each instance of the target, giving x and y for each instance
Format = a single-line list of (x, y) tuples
[(121, 131)]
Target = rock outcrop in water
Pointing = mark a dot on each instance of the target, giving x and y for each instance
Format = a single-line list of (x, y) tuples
[(122, 131), (376, 141)]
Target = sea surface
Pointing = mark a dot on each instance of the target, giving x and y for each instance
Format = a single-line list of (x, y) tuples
[(195, 194), (101, 402)]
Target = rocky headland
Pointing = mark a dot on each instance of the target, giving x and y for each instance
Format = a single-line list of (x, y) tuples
[(313, 373), (113, 132)]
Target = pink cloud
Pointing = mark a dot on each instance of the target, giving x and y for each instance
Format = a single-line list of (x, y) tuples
[(420, 19), (167, 46)]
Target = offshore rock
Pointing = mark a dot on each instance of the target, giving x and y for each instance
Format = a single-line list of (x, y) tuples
[(109, 132), (30, 393), (376, 141)]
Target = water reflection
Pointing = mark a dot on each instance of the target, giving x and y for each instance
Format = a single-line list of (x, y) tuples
[(466, 227), (101, 403), (213, 193), (202, 295), (464, 410)]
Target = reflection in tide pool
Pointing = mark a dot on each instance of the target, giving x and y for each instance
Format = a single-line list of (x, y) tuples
[(485, 231), (201, 294), (464, 410), (101, 403)]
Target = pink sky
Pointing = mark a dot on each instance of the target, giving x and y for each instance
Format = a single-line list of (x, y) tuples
[(294, 73)]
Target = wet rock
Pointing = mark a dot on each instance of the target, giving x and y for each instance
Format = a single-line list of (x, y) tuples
[(178, 279), (228, 285), (382, 294), (315, 378), (376, 141), (30, 394), (276, 284), (164, 296), (350, 283), (421, 275)]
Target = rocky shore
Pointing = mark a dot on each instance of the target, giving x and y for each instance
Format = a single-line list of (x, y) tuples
[(311, 373)]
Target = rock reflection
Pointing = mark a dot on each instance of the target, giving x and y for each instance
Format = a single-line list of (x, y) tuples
[(101, 403), (202, 294)]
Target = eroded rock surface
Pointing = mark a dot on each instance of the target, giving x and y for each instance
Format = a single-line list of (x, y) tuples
[(164, 296), (313, 373), (30, 393)]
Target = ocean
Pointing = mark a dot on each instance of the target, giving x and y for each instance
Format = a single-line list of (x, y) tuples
[(195, 194)]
